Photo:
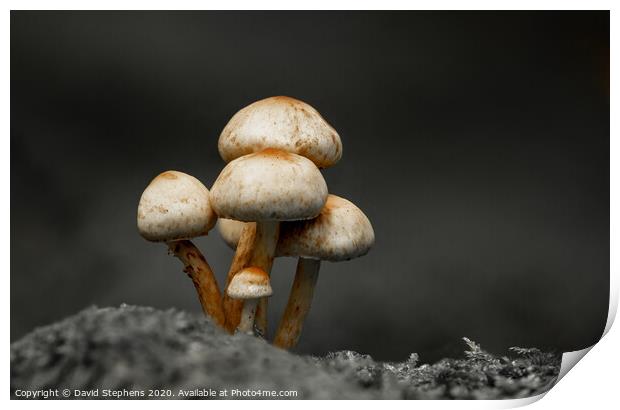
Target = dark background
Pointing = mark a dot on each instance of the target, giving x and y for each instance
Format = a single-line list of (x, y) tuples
[(476, 142)]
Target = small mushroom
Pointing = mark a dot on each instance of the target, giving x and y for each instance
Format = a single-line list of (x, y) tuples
[(340, 232), (232, 307), (267, 187), (174, 208), (250, 285)]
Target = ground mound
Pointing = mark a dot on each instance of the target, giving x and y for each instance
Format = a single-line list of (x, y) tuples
[(147, 353)]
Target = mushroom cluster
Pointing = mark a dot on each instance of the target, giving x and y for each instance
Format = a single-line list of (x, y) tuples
[(272, 201)]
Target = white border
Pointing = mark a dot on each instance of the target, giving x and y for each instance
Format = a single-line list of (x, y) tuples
[(594, 381)]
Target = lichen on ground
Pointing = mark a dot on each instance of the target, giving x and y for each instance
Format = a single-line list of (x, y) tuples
[(140, 349)]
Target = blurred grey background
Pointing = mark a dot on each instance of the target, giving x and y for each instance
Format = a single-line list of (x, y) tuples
[(476, 142)]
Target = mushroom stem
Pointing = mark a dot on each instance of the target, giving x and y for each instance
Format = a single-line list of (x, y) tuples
[(298, 304), (263, 250), (246, 324), (200, 273), (233, 307)]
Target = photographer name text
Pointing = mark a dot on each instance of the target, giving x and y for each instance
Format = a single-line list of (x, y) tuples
[(151, 393)]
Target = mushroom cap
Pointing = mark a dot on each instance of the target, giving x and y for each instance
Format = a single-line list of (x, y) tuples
[(230, 230), (283, 123), (269, 185), (250, 283), (340, 232), (175, 206)]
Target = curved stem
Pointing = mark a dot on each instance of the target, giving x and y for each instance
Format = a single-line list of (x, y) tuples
[(298, 304), (263, 250), (233, 307), (200, 273)]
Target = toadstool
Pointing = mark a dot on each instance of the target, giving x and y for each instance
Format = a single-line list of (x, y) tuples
[(232, 307), (267, 187), (174, 208), (282, 123), (340, 232), (249, 284)]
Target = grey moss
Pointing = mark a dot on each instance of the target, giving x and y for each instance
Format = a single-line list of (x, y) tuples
[(140, 348)]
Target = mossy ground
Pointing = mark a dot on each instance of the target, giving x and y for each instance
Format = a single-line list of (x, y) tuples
[(138, 348)]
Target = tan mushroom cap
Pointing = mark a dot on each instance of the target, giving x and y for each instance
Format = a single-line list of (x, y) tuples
[(340, 232), (250, 283), (230, 230), (283, 123), (175, 206), (269, 185)]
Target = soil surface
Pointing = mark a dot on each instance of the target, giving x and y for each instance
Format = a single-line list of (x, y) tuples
[(142, 352)]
